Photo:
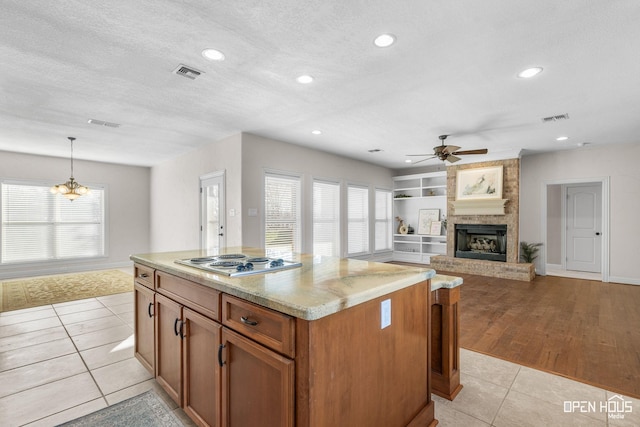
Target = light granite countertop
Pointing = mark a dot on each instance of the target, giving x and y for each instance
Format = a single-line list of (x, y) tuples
[(321, 287), (443, 281)]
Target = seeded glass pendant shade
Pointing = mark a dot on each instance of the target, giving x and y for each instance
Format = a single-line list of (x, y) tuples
[(70, 189)]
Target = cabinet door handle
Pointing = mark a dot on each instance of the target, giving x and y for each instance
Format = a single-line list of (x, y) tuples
[(143, 275), (247, 321), (175, 326), (149, 309), (220, 362), (181, 330)]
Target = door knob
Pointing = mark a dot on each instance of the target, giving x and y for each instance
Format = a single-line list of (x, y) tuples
[(597, 233)]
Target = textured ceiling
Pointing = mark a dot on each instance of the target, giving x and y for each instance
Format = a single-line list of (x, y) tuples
[(452, 70)]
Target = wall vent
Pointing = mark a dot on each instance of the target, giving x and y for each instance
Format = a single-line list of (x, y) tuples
[(188, 72), (564, 116), (103, 123)]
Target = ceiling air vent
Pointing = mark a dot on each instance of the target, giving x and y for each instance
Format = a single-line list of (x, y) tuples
[(103, 123), (188, 72), (564, 116)]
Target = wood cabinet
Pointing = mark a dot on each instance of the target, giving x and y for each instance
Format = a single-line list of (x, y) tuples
[(257, 384), (169, 336), (229, 362), (144, 326), (201, 372)]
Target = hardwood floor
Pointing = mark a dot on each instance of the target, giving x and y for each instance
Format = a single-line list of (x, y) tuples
[(581, 329)]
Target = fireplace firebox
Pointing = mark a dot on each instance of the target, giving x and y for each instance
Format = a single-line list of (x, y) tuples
[(481, 241)]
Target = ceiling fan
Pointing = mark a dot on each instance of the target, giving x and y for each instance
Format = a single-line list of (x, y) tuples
[(447, 152)]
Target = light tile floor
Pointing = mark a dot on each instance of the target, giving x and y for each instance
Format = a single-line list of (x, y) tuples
[(62, 361)]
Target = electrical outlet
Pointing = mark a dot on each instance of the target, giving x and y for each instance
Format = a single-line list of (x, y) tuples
[(385, 313)]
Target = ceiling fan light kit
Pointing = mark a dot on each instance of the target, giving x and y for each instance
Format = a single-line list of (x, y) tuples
[(70, 189), (449, 153)]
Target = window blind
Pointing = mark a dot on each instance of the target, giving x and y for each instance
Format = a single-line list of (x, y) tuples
[(282, 214), (326, 218), (383, 221), (40, 226), (357, 220)]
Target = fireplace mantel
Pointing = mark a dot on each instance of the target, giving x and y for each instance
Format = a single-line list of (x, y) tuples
[(479, 207)]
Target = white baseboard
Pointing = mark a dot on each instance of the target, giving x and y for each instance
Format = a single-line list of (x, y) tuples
[(624, 280), (62, 269)]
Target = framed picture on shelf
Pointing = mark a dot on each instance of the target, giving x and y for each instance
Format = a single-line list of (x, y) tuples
[(479, 183), (436, 228), (425, 218)]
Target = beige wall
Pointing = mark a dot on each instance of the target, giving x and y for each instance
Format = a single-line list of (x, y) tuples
[(620, 164), (127, 198), (175, 195)]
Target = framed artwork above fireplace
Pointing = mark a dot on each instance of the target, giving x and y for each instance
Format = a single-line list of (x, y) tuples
[(479, 183)]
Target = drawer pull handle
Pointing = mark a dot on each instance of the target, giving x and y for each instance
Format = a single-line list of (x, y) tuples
[(175, 326), (246, 321), (220, 362), (143, 275), (149, 309)]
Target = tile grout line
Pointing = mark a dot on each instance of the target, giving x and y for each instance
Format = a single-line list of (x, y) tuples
[(81, 358), (77, 351), (505, 396)]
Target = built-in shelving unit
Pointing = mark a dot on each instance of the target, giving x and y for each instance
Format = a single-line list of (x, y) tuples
[(411, 193)]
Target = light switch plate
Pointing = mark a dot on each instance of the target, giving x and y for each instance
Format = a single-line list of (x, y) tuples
[(385, 313)]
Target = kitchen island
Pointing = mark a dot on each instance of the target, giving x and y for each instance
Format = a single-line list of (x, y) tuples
[(331, 342)]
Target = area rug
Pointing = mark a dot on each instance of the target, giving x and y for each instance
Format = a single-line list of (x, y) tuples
[(144, 410), (32, 292)]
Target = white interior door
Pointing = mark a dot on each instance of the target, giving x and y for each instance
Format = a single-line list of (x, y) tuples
[(584, 228), (212, 217)]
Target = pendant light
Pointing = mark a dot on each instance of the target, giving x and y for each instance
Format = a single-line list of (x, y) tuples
[(70, 189)]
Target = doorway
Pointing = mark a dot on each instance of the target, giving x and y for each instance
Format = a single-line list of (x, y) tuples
[(212, 212), (576, 223)]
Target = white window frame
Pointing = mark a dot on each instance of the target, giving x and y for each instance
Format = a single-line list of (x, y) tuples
[(366, 221), (388, 221), (338, 220), (62, 260), (299, 222)]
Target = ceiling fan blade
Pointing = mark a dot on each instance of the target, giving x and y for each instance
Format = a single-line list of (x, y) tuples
[(418, 155), (452, 159), (423, 160), (449, 149), (479, 151)]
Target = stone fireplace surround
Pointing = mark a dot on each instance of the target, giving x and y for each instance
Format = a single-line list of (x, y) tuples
[(510, 269)]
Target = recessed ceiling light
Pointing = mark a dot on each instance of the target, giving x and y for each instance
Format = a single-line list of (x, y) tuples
[(316, 132), (384, 40), (213, 55), (562, 138), (408, 161), (304, 79), (529, 72)]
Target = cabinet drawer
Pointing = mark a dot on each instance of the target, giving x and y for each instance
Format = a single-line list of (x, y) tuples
[(198, 297), (144, 275), (270, 328)]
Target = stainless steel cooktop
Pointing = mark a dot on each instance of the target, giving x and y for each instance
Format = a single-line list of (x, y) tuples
[(235, 265)]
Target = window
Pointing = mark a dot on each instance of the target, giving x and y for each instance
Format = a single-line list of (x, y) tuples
[(383, 220), (326, 218), (282, 214), (40, 226), (357, 220)]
